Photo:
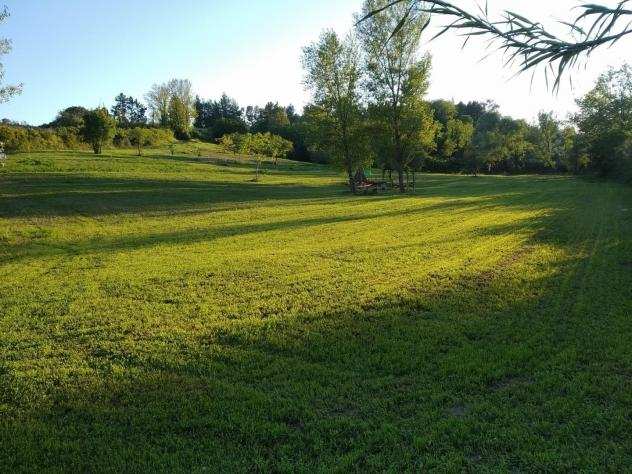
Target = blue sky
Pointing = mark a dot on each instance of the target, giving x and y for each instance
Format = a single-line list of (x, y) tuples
[(84, 52)]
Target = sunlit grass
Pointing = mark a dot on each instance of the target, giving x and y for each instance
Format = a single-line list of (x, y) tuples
[(167, 313)]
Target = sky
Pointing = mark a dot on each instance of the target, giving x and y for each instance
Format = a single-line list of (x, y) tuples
[(85, 52)]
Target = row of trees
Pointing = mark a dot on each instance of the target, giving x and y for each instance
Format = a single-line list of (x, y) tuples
[(257, 145), (368, 108)]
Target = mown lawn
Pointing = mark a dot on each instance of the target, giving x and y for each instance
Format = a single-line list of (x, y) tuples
[(169, 314)]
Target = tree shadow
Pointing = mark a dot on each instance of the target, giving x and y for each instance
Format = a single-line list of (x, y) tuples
[(356, 388), (55, 195), (524, 365)]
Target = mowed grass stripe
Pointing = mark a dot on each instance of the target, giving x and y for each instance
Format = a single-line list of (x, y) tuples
[(168, 314)]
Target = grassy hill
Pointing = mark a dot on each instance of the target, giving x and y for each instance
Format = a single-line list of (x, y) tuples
[(168, 314)]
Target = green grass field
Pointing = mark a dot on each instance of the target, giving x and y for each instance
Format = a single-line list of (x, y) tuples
[(165, 314)]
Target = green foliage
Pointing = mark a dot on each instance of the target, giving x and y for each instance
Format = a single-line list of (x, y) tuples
[(454, 133), (272, 118), (98, 129), (70, 117), (128, 112), (151, 137), (397, 80), (336, 119), (523, 40), (172, 105), (25, 139), (138, 137), (256, 144), (179, 119), (218, 118), (605, 121)]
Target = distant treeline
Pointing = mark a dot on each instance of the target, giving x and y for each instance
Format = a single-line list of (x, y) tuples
[(457, 137)]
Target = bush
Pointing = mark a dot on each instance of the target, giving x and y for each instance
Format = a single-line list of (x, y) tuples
[(26, 139), (21, 139), (623, 161), (152, 137)]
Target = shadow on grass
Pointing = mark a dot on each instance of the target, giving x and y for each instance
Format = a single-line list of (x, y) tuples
[(501, 369), (51, 195), (404, 383)]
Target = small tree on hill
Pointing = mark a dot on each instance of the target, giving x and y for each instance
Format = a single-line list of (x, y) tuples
[(277, 147), (98, 128), (138, 136)]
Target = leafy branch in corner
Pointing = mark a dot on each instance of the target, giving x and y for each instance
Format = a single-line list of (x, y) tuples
[(6, 92), (525, 41)]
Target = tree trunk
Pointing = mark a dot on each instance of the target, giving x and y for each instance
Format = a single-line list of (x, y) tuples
[(402, 185), (352, 182)]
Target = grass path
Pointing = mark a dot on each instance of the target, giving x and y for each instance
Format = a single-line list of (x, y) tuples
[(168, 314)]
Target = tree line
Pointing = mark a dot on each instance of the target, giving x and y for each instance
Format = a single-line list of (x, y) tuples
[(368, 108)]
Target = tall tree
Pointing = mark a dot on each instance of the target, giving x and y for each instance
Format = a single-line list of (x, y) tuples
[(271, 118), (70, 117), (128, 112), (158, 99), (172, 99), (179, 118), (549, 142), (397, 81), (221, 117), (333, 72), (183, 91), (455, 133)]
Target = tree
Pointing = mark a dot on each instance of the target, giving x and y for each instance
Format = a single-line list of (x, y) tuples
[(181, 90), (397, 80), (137, 137), (272, 118), (6, 91), (128, 112), (219, 118), (455, 133), (98, 128), (158, 99), (70, 117), (523, 40), (179, 118), (228, 143), (549, 141), (277, 147), (604, 119), (333, 72)]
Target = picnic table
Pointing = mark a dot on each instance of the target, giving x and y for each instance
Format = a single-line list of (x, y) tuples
[(372, 187)]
